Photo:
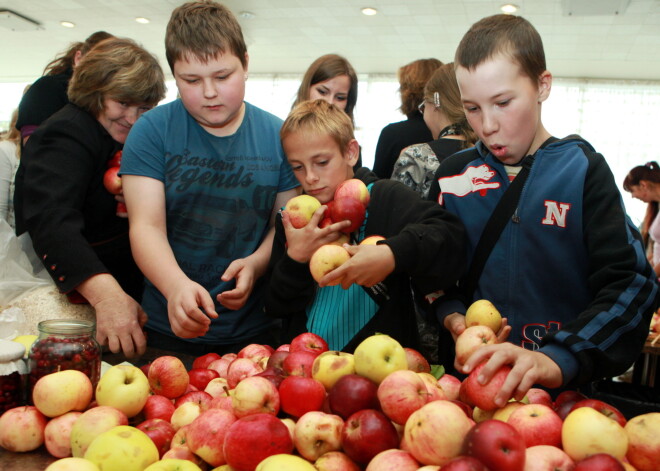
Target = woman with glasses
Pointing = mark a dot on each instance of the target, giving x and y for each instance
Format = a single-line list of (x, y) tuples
[(443, 114), (643, 183), (396, 136)]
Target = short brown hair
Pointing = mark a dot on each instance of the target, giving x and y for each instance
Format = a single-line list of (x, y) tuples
[(203, 29), (412, 79), (325, 68), (318, 117), (119, 69), (511, 35)]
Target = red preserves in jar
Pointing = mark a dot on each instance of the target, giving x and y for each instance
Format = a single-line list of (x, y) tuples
[(65, 344), (12, 374)]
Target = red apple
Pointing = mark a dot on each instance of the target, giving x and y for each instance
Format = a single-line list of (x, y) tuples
[(255, 395), (299, 394), (599, 462), (251, 439), (217, 387), (205, 360), (602, 407), (497, 445), (335, 461), (241, 368), (483, 395), (350, 209), (539, 396), (255, 352), (352, 393), (184, 453), (464, 407), (547, 458), (316, 433), (464, 463), (160, 431), (276, 360), (401, 393), (433, 389), (273, 374), (366, 433), (353, 188), (222, 402), (206, 435), (568, 396), (168, 376), (416, 361), (115, 160), (57, 434), (158, 407), (283, 348), (220, 365), (112, 181), (393, 460), (643, 444), (200, 397), (450, 385), (471, 339), (200, 377), (309, 342), (537, 425), (299, 363), (22, 429)]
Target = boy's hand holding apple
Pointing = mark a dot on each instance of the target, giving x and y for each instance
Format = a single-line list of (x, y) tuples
[(304, 241), (369, 264)]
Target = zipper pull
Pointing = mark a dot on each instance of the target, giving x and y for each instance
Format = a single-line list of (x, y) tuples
[(515, 218)]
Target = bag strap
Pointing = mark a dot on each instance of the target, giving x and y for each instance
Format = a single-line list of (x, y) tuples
[(498, 220)]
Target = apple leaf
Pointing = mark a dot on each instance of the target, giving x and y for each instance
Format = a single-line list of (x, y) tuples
[(437, 371)]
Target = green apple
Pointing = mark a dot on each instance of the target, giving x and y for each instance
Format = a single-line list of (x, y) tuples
[(124, 387), (329, 366), (173, 464), (285, 462), (72, 464), (122, 448), (379, 355)]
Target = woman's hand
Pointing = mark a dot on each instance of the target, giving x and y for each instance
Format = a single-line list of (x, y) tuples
[(119, 322)]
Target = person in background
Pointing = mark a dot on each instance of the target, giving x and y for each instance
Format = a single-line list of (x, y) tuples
[(396, 136), (60, 197), (422, 241), (204, 177), (443, 114), (10, 151), (568, 270), (49, 93), (331, 78), (643, 183)]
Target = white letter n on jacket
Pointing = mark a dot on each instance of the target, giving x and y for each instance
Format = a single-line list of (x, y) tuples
[(555, 213)]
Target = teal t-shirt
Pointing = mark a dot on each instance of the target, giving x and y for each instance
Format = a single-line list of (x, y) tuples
[(219, 193)]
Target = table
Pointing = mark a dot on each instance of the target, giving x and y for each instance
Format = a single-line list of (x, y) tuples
[(39, 459)]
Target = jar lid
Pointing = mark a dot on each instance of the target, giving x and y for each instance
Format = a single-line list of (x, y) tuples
[(10, 351)]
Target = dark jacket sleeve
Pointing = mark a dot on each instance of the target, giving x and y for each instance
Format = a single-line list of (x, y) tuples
[(45, 97), (608, 336)]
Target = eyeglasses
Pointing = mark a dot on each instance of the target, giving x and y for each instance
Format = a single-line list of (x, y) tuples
[(435, 103)]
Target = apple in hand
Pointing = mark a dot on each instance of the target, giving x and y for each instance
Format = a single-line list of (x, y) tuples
[(401, 393), (434, 434), (379, 355), (57, 434), (168, 376), (160, 432), (22, 429), (158, 407), (329, 366), (586, 432), (299, 395), (604, 408), (366, 433), (325, 259), (255, 395), (497, 445), (252, 439), (112, 180), (206, 435), (300, 209), (355, 189), (644, 444), (547, 458), (483, 312), (316, 433), (471, 339), (483, 395), (335, 461), (309, 342), (74, 392), (122, 448), (352, 393), (348, 209), (537, 425), (91, 424), (599, 462)]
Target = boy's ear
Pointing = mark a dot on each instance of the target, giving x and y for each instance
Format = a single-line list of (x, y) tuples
[(545, 84), (247, 63), (352, 152)]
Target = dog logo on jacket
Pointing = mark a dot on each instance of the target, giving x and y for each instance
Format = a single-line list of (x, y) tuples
[(472, 180)]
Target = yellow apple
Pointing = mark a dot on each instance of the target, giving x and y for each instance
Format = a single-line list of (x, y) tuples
[(72, 464), (301, 208), (63, 391), (644, 441), (504, 412), (343, 239), (379, 355), (124, 387), (480, 415), (586, 432), (483, 312), (325, 259), (329, 366), (371, 240), (285, 462), (92, 423), (173, 464), (122, 448)]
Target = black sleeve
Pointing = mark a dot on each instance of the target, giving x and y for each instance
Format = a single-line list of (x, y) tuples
[(45, 97), (383, 162)]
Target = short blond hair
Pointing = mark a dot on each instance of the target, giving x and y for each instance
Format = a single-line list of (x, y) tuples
[(203, 29), (119, 69), (318, 117)]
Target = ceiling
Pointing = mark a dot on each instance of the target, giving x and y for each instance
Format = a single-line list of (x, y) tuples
[(617, 39)]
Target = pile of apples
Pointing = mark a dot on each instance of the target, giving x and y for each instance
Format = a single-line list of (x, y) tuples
[(349, 203), (302, 407)]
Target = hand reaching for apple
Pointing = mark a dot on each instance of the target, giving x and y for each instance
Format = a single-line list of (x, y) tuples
[(119, 321), (245, 273), (303, 242), (190, 309), (527, 369), (368, 265)]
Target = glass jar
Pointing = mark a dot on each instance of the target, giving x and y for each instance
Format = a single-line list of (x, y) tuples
[(65, 344), (12, 375)]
